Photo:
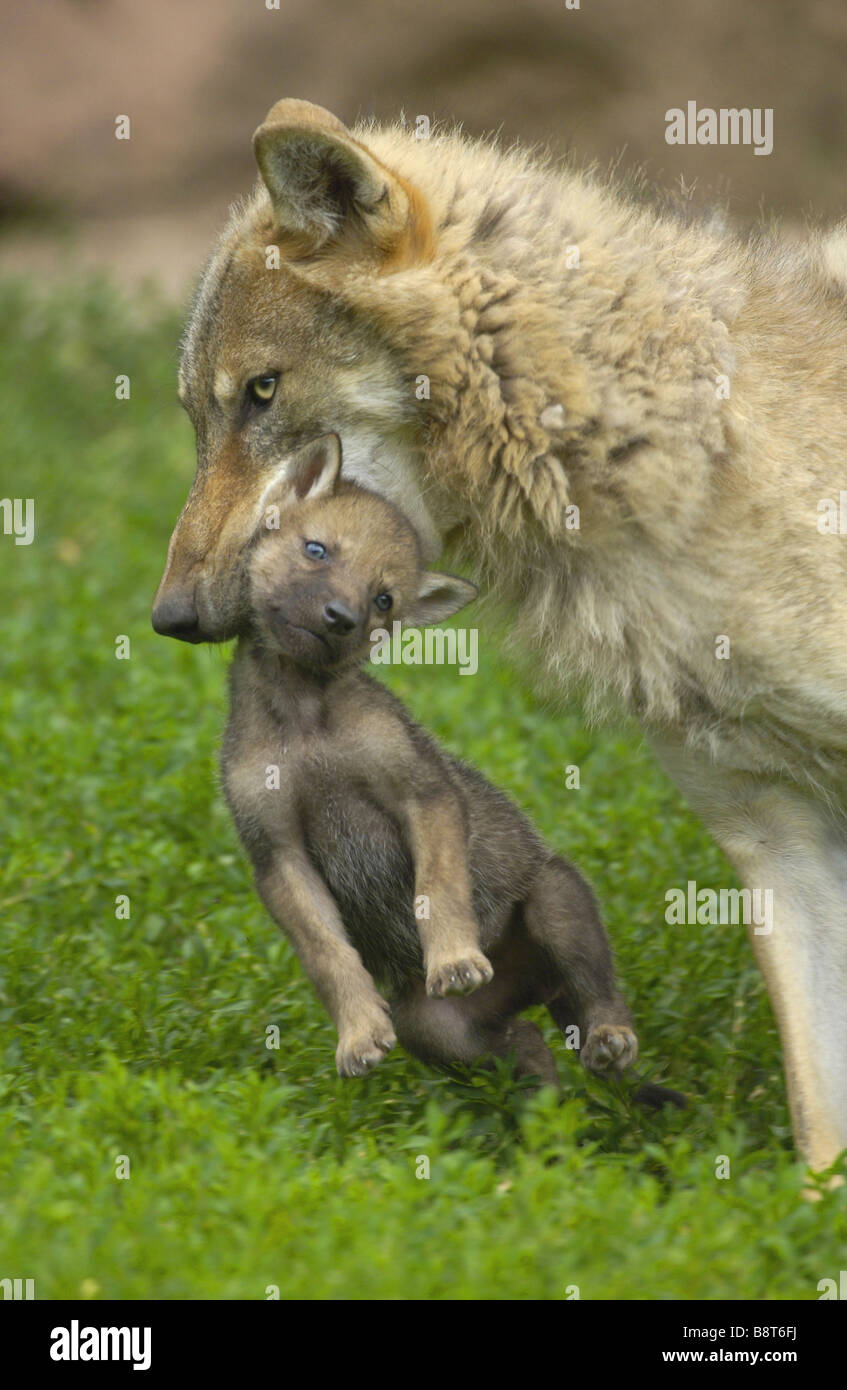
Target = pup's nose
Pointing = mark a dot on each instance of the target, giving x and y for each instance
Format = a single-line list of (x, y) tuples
[(338, 617), (175, 615)]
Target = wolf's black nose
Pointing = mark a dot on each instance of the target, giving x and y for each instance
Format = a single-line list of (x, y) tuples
[(338, 618), (177, 617)]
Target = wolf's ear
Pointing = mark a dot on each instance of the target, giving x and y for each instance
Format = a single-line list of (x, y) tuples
[(312, 471), (323, 183), (439, 597)]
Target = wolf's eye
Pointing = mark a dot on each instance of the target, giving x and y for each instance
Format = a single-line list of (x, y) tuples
[(383, 602), (315, 550), (262, 389)]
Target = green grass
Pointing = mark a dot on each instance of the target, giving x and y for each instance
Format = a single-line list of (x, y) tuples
[(250, 1166)]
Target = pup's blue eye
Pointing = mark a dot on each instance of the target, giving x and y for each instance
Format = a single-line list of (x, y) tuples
[(315, 549), (383, 602)]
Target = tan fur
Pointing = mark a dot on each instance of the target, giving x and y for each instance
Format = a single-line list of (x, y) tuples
[(553, 386)]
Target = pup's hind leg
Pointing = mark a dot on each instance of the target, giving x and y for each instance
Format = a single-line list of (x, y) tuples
[(561, 918), (444, 1032)]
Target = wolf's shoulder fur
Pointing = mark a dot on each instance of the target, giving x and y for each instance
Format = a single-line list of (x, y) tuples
[(664, 383)]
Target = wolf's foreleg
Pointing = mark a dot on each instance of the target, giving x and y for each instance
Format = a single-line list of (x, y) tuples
[(781, 838)]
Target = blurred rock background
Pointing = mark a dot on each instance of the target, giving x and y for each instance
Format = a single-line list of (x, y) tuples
[(196, 78)]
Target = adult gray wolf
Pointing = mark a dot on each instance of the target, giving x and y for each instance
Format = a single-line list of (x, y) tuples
[(634, 429)]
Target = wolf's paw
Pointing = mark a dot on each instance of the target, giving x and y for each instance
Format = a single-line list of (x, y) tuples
[(361, 1047), (461, 975), (609, 1047)]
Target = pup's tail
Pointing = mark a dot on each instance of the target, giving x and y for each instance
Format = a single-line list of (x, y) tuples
[(655, 1097)]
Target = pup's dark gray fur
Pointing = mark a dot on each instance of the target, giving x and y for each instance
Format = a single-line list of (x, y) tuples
[(388, 862)]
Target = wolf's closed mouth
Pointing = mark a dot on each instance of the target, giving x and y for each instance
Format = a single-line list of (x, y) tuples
[(286, 622)]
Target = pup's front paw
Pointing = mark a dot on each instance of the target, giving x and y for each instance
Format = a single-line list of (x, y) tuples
[(364, 1044), (460, 975), (609, 1047)]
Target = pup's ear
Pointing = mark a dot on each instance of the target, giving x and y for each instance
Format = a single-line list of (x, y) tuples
[(312, 471), (439, 597), (324, 183)]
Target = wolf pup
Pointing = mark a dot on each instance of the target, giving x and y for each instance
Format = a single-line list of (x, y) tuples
[(389, 864)]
